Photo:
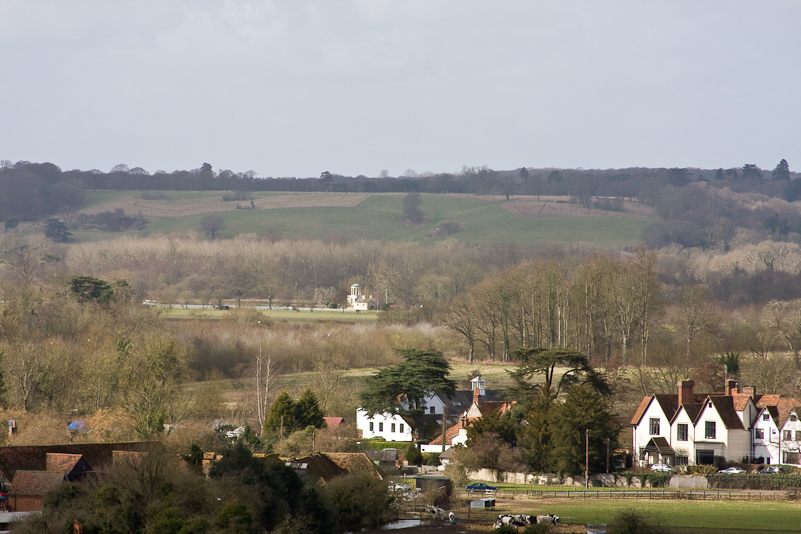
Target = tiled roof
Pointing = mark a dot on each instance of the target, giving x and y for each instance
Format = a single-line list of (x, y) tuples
[(355, 463), (333, 422), (669, 403), (785, 406), (318, 465), (65, 463), (740, 402), (641, 410), (35, 483), (449, 435), (768, 400), (34, 457)]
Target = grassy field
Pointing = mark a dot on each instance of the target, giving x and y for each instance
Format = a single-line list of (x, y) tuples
[(363, 216), (278, 316), (684, 516)]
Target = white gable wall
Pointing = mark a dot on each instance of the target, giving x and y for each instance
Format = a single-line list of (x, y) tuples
[(766, 447), (685, 448), (793, 445), (642, 431)]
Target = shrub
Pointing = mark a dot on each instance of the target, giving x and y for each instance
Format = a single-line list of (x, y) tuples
[(632, 522), (413, 455)]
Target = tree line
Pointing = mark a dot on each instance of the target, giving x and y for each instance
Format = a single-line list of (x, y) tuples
[(34, 190)]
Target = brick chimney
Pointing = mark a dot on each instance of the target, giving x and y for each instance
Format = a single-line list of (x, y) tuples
[(476, 395), (731, 387), (748, 390), (686, 392)]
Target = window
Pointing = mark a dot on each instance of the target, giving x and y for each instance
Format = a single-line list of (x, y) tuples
[(759, 433), (654, 426), (392, 427), (371, 426), (787, 435), (793, 417), (682, 460), (401, 428), (432, 410), (798, 435), (766, 416), (681, 432), (709, 430), (380, 427), (791, 458)]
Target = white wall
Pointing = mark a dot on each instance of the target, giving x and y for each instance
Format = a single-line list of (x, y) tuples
[(382, 426), (641, 432)]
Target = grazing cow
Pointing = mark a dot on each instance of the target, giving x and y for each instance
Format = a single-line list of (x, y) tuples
[(549, 519), (524, 519)]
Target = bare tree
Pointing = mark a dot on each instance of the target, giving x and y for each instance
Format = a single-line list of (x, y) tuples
[(211, 226), (263, 376)]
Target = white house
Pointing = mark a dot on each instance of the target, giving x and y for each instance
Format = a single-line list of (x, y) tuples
[(777, 434), (391, 427), (688, 428), (356, 301), (481, 406)]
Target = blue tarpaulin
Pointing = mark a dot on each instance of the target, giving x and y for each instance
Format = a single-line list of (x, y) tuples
[(78, 426)]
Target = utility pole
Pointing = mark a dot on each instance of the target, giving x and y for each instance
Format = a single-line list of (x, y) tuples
[(444, 424), (587, 459)]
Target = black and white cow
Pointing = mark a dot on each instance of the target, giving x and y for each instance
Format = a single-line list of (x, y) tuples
[(549, 519)]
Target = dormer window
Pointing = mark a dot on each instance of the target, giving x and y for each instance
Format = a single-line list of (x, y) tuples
[(766, 416)]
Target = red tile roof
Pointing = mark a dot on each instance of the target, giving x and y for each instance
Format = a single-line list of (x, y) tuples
[(333, 422), (449, 434), (641, 410), (35, 483)]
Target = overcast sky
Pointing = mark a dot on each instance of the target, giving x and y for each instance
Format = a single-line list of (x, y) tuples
[(294, 88)]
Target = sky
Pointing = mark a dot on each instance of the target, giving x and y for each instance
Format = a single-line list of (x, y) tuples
[(297, 87)]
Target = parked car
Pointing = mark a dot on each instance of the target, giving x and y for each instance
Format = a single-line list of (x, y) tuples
[(664, 468), (396, 487), (480, 487), (733, 471), (769, 470)]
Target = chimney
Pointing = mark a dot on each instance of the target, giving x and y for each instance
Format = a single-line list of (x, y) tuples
[(749, 390), (731, 387), (686, 392), (476, 395)]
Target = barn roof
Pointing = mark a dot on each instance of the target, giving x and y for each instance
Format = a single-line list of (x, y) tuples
[(35, 482), (355, 463)]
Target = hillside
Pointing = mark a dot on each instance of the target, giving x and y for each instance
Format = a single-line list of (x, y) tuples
[(482, 220)]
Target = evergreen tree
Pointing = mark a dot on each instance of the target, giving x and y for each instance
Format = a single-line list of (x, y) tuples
[(402, 388), (57, 231), (282, 415), (584, 409), (308, 411), (782, 171)]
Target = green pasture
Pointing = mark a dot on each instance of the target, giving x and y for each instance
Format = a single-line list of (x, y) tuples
[(278, 316), (682, 515), (380, 218)]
